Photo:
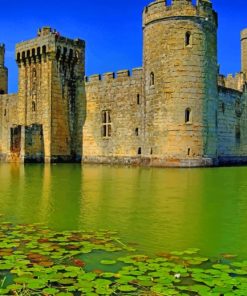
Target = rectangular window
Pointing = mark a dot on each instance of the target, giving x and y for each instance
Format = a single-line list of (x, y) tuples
[(106, 124)]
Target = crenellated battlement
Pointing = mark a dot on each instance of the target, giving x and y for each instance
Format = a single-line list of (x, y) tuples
[(136, 73), (160, 11), (49, 43), (231, 81)]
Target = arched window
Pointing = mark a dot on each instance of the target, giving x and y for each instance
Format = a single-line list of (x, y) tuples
[(237, 134), (71, 54), (65, 51), (137, 131), (151, 78), (188, 39), (188, 115), (138, 99), (58, 53), (44, 49), (34, 73), (33, 106)]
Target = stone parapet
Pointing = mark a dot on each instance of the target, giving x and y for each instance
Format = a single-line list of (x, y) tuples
[(235, 82), (158, 10), (136, 73)]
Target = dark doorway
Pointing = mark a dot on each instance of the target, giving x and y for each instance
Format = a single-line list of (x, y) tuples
[(15, 139)]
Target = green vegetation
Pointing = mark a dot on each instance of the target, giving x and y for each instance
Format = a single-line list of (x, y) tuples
[(37, 261)]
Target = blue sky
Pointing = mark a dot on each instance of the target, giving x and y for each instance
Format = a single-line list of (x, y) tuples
[(112, 30)]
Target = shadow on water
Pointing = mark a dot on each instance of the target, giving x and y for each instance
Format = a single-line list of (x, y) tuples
[(160, 209)]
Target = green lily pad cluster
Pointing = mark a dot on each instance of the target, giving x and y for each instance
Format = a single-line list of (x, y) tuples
[(35, 260)]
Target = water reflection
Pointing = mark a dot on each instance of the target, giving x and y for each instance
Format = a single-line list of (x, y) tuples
[(161, 209)]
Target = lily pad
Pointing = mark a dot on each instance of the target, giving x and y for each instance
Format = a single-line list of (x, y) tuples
[(108, 262)]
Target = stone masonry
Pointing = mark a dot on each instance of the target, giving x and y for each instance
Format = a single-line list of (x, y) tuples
[(43, 122), (174, 111)]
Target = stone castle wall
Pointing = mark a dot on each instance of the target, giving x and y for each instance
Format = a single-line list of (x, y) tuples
[(176, 110), (122, 97), (232, 126), (230, 81), (9, 117), (180, 51), (51, 93)]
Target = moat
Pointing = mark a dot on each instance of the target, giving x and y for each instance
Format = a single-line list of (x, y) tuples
[(159, 209)]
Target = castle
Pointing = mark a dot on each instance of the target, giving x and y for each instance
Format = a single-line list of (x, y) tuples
[(174, 111)]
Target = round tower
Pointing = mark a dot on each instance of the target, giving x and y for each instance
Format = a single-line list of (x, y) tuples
[(3, 71), (180, 82), (244, 50)]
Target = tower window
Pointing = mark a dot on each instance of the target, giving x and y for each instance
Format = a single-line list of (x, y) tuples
[(188, 115), (137, 131), (58, 53), (138, 99), (71, 54), (106, 124), (34, 73), (44, 49), (223, 107), (33, 106), (65, 51), (237, 134), (151, 78), (188, 39), (188, 152), (139, 152)]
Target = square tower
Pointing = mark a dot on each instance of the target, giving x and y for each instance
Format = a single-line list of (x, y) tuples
[(51, 96)]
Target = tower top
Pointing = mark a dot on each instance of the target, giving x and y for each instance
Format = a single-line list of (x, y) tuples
[(244, 34), (159, 10), (47, 44), (244, 50), (2, 54), (46, 31)]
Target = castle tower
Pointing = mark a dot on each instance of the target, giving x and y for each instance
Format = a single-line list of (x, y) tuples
[(51, 96), (3, 71), (180, 72), (244, 50)]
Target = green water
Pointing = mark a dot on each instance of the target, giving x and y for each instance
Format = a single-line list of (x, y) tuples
[(160, 209)]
